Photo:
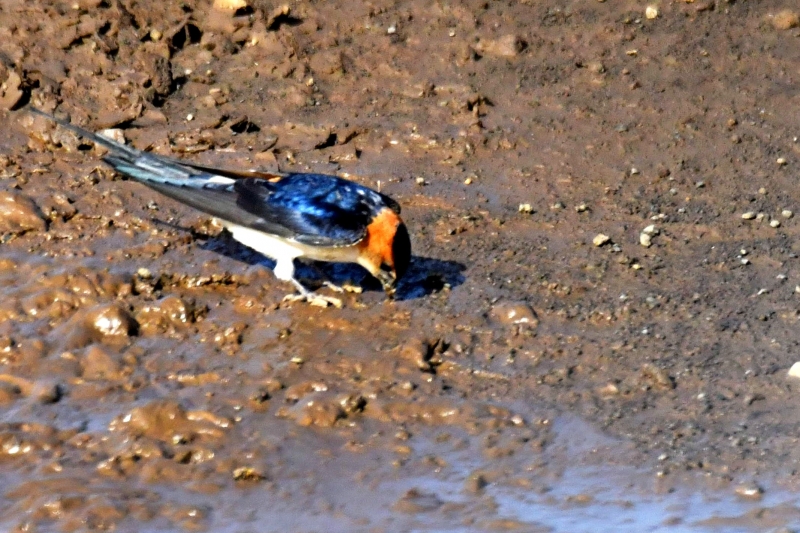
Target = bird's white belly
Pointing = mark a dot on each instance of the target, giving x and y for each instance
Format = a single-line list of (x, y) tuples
[(281, 249)]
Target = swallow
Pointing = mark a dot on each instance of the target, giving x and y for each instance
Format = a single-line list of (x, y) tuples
[(282, 216)]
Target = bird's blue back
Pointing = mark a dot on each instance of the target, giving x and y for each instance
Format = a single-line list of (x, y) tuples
[(318, 208)]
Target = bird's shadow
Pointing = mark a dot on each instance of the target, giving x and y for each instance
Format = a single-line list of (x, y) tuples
[(425, 275)]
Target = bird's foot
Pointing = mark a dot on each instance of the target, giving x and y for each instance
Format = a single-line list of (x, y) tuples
[(333, 286), (348, 286), (315, 299), (305, 295)]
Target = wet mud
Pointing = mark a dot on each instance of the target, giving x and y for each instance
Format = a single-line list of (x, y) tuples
[(596, 328)]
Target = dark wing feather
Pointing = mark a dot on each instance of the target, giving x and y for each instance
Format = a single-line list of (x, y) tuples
[(216, 199), (320, 210)]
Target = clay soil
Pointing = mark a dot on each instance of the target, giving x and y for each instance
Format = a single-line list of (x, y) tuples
[(152, 379)]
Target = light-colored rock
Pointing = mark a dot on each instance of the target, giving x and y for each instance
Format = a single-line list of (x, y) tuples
[(506, 46), (786, 19), (10, 91), (115, 134), (231, 5), (601, 239)]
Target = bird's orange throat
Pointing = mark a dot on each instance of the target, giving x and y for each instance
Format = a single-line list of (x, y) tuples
[(380, 235)]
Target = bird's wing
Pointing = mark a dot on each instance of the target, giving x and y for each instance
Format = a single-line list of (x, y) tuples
[(317, 209)]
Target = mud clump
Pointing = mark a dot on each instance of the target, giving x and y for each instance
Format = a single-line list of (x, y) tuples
[(98, 364), (506, 46), (107, 323), (168, 421), (312, 404), (19, 214), (416, 501), (168, 315), (514, 313)]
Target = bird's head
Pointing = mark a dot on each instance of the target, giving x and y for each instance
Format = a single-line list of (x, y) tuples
[(386, 250)]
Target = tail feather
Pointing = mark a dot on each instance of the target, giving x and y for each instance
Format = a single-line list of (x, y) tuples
[(201, 188), (141, 166), (112, 145)]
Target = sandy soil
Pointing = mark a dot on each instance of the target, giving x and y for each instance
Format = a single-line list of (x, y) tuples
[(151, 379)]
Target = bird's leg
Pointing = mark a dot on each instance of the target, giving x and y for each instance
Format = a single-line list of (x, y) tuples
[(284, 271)]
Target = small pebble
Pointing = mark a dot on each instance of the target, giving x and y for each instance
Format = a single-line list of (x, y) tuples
[(651, 12), (646, 236), (115, 134), (760, 216), (600, 239), (762, 190), (786, 19), (786, 213), (391, 29), (581, 208), (231, 5), (189, 117), (749, 215), (420, 180), (749, 491), (781, 161), (774, 223), (526, 208)]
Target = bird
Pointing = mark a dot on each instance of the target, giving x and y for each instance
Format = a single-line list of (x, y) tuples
[(283, 216)]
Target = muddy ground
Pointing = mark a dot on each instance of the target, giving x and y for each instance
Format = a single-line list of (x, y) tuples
[(152, 379)]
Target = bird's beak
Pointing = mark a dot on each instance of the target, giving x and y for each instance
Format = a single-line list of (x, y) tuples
[(388, 280)]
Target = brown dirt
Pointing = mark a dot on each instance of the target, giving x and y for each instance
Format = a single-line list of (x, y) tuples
[(151, 378)]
